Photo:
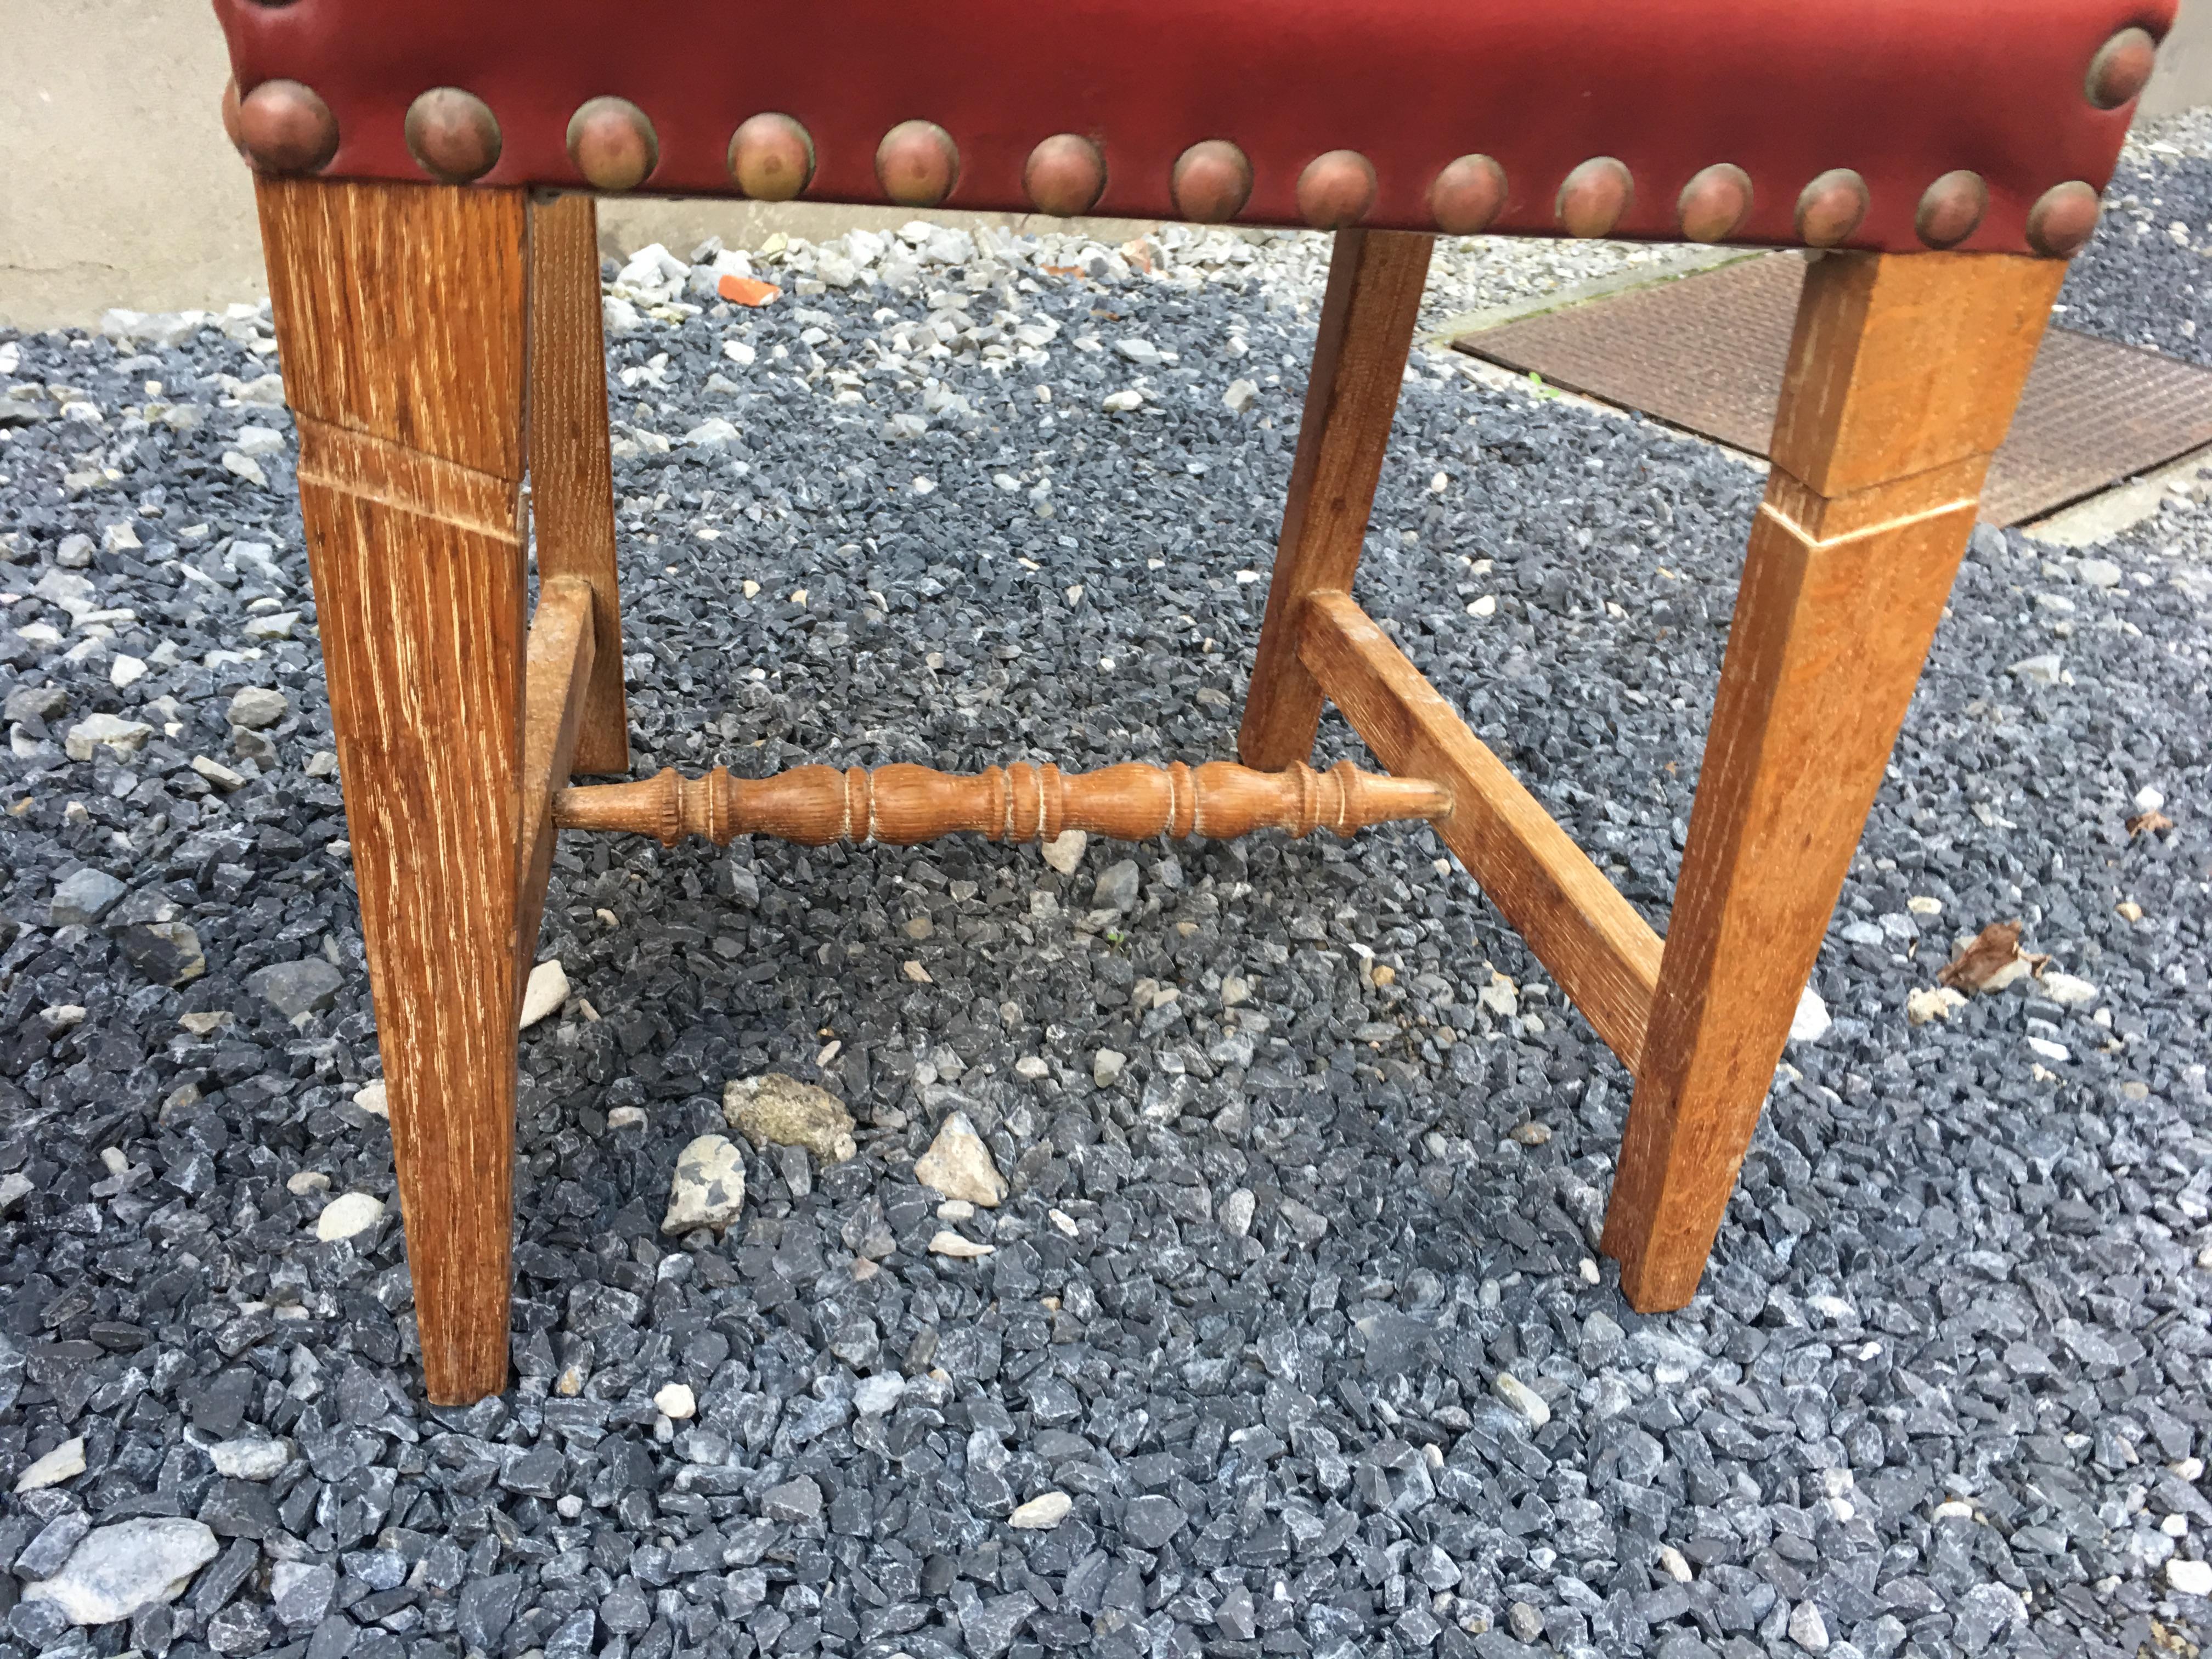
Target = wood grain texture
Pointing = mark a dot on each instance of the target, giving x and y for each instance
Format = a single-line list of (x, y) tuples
[(1604, 954), (395, 324), (1902, 380), (571, 486), (400, 313), (901, 806), (557, 683), (1367, 319)]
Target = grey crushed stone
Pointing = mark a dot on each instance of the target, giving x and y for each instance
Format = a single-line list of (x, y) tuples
[(1947, 1377)]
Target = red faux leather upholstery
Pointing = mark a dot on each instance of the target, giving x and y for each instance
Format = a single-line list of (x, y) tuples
[(1901, 91)]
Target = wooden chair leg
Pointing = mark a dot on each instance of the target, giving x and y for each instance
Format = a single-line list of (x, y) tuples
[(401, 313), (1903, 376), (571, 486), (1375, 280)]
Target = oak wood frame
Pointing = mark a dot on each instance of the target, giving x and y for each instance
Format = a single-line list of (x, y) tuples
[(442, 345)]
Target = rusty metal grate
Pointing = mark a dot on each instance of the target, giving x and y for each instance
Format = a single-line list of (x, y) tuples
[(1707, 353)]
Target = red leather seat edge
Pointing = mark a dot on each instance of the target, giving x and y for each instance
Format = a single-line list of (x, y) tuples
[(1983, 124)]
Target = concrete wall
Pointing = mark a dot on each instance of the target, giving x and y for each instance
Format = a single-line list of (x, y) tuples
[(117, 187)]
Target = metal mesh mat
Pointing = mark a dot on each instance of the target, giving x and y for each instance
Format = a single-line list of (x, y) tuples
[(1707, 352)]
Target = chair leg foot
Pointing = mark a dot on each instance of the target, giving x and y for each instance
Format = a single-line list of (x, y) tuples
[(410, 492), (1902, 382)]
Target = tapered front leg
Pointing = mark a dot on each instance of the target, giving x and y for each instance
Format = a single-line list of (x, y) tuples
[(1902, 377), (1375, 282), (402, 314)]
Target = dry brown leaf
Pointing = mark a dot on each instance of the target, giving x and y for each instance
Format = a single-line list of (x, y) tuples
[(2149, 824), (1991, 962)]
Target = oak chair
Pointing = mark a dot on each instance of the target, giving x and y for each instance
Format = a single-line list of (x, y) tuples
[(427, 172)]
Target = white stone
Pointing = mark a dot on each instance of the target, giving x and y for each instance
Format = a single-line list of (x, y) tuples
[(2148, 799), (876, 1394), (1811, 1022), (1674, 1563), (1522, 1398), (1121, 403), (371, 1099), (126, 671), (959, 1164), (347, 1214), (2042, 670), (108, 731), (1807, 1629), (272, 625), (708, 1187), (1485, 606), (1936, 1002), (712, 433), (252, 1457), (1042, 1513), (1922, 905), (1240, 396), (547, 990), (675, 1401), (1236, 1211), (245, 467), (2099, 573), (303, 1182), (948, 1242), (956, 1209), (626, 1117), (2068, 991), (1064, 851), (64, 1462), (223, 777), (1106, 1066), (117, 1572), (2189, 1578), (259, 440), (1063, 1222), (1031, 1066), (2045, 1048)]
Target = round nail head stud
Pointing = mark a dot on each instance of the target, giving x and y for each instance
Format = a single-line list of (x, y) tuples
[(1468, 196), (1952, 209), (612, 143), (771, 158), (917, 164), (2122, 69), (453, 135), (1714, 204), (1065, 175), (1336, 190), (1212, 182), (1831, 207), (1596, 198), (2063, 219), (230, 120), (287, 127)]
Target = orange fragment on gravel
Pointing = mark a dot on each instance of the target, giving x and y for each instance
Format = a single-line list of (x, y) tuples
[(747, 290)]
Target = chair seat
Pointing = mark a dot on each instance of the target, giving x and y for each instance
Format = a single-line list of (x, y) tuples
[(1941, 123)]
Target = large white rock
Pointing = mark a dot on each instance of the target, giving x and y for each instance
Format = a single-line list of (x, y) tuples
[(64, 1462), (2066, 990), (1042, 1513), (1811, 1022), (675, 1401), (123, 737), (1522, 1398), (254, 1457), (708, 1187), (347, 1214), (2189, 1578), (1065, 850), (547, 990), (948, 1242), (959, 1164), (118, 1572)]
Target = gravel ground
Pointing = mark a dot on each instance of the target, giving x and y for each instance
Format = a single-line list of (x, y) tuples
[(1298, 1306)]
